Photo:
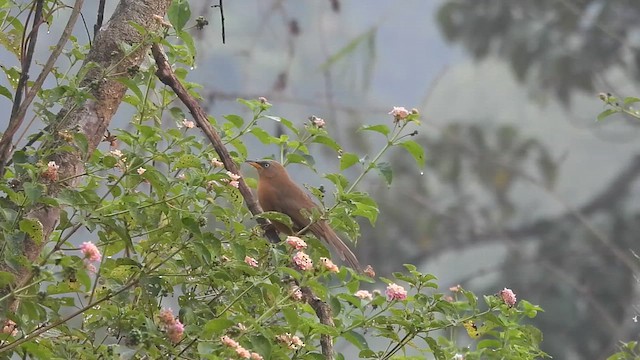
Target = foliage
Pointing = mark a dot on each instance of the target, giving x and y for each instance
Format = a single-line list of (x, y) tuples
[(559, 46), (613, 106), (172, 232)]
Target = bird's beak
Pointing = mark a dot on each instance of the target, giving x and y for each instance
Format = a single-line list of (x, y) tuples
[(253, 163)]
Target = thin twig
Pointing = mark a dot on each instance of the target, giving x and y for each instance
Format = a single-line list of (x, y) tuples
[(26, 58), (21, 110), (168, 77), (100, 19)]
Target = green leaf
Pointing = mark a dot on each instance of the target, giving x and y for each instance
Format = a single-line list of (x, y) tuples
[(236, 120), (347, 160), (356, 339), (261, 135), (82, 143), (6, 278), (276, 216), (489, 344), (6, 93), (187, 161), (382, 129), (190, 44), (435, 348), (216, 326), (292, 317), (385, 171), (327, 141), (416, 150), (606, 113), (179, 13), (631, 100), (33, 228), (33, 191)]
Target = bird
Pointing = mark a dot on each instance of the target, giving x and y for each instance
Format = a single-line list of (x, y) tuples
[(277, 192)]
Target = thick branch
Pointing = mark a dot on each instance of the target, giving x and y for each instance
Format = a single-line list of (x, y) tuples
[(167, 76), (323, 311)]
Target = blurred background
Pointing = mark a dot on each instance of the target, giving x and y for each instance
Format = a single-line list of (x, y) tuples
[(523, 187)]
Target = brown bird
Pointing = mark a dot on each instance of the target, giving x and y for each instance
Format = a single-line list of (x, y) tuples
[(277, 192)]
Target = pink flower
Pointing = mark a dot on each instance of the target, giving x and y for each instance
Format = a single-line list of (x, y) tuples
[(166, 317), (329, 265), (251, 261), (233, 176), (89, 266), (302, 261), (181, 176), (234, 183), (369, 271), (395, 292), (291, 341), (90, 251), (318, 122), (296, 293), (10, 328), (256, 356), (455, 289), (116, 153), (263, 100), (296, 243), (399, 113), (52, 171), (243, 353), (216, 163), (227, 341), (508, 296), (364, 295), (188, 124), (175, 331)]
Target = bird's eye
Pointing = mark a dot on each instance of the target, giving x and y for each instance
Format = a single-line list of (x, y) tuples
[(266, 165)]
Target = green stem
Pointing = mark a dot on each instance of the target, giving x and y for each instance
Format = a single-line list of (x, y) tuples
[(390, 142)]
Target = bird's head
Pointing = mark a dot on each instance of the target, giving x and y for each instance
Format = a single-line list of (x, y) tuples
[(268, 168)]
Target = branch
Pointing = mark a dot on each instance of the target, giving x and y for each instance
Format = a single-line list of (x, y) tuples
[(323, 311), (168, 77), (100, 19)]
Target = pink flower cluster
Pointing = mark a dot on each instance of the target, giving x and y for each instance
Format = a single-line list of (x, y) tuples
[(91, 254), (171, 325), (10, 328), (364, 295), (395, 292), (188, 124), (302, 261), (296, 243), (293, 342), (52, 171), (508, 296), (251, 261), (317, 122), (296, 293), (216, 163), (234, 179), (399, 113), (240, 351), (329, 265)]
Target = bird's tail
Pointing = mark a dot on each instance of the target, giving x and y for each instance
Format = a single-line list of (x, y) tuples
[(339, 246)]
